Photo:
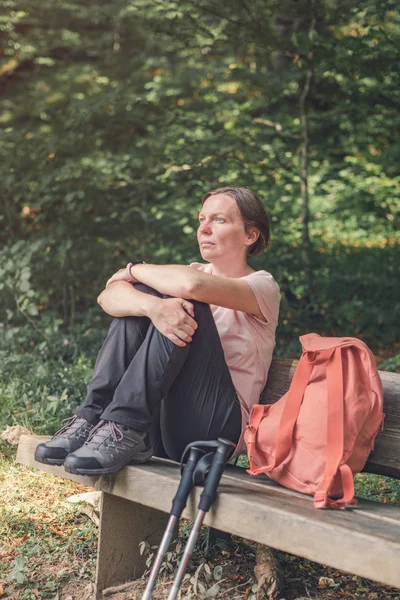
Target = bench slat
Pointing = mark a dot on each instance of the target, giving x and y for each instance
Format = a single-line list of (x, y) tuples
[(364, 541), (385, 459)]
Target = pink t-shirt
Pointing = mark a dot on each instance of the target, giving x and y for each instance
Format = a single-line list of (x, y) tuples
[(247, 341)]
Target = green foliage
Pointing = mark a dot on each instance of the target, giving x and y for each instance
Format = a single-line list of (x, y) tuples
[(19, 571), (117, 119), (15, 279), (391, 364), (43, 381)]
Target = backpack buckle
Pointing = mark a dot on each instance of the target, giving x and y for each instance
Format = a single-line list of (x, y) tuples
[(320, 499), (251, 432)]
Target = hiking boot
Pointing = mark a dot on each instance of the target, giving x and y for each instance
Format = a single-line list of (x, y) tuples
[(108, 449), (70, 437)]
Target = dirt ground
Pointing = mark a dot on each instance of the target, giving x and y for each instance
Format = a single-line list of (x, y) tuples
[(302, 580)]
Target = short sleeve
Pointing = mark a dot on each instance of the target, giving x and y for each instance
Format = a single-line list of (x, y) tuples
[(205, 267), (267, 294)]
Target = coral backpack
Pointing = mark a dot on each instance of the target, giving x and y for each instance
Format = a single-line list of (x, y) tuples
[(320, 433)]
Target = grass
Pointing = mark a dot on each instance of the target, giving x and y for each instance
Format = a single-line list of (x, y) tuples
[(42, 383), (378, 488), (43, 542)]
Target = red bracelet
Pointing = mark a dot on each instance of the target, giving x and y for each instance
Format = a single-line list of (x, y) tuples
[(138, 262)]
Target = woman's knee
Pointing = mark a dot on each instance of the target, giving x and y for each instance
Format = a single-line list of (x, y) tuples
[(127, 323), (146, 289)]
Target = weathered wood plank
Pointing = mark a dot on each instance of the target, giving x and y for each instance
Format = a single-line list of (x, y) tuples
[(350, 540), (385, 459), (280, 376)]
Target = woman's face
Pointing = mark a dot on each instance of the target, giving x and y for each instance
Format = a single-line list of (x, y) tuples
[(221, 231)]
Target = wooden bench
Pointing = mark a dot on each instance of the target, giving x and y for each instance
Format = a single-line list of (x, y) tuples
[(364, 540)]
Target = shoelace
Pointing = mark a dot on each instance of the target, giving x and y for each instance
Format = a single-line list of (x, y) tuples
[(102, 430), (68, 424)]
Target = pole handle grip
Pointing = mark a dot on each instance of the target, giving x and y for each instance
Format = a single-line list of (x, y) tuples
[(186, 482), (217, 468)]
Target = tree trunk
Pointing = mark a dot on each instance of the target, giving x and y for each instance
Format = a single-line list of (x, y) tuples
[(268, 574), (306, 250)]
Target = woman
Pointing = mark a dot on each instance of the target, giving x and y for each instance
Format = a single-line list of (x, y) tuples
[(189, 349)]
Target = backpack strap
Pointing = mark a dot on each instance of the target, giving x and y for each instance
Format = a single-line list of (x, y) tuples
[(288, 420), (321, 499), (257, 414), (335, 439)]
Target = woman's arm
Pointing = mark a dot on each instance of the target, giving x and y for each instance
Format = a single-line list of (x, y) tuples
[(172, 280), (173, 317), (190, 283), (121, 299)]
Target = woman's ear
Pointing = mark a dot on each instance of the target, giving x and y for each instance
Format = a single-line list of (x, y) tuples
[(252, 235)]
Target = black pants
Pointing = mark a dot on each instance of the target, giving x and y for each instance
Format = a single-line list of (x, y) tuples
[(143, 380)]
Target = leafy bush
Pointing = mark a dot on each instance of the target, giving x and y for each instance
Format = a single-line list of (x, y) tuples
[(44, 380), (391, 364)]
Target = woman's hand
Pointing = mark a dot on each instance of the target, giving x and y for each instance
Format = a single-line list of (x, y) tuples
[(171, 319), (122, 275)]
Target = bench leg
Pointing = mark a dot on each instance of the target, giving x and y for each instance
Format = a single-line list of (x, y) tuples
[(123, 525)]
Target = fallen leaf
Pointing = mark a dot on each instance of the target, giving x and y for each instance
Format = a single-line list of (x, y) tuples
[(46, 518), (58, 531), (327, 582)]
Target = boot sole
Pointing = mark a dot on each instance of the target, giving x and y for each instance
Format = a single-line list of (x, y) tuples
[(56, 462), (112, 469)]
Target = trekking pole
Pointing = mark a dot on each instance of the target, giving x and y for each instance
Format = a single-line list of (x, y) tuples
[(207, 497), (190, 476)]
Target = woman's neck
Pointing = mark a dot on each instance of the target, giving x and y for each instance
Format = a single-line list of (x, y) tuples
[(231, 270)]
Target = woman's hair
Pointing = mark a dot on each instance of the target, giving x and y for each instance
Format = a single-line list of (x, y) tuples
[(253, 214)]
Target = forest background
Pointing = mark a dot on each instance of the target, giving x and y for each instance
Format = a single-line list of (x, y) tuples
[(117, 117)]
